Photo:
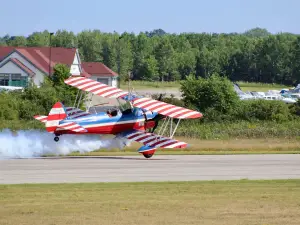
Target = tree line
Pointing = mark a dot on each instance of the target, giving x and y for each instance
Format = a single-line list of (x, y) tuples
[(253, 56)]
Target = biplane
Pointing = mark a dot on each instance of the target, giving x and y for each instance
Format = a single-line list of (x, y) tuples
[(136, 119)]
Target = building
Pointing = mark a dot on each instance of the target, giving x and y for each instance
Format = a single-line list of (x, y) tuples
[(20, 65), (101, 73)]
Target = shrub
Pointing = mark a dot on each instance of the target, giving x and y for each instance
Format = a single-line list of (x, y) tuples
[(213, 93), (253, 110), (9, 107)]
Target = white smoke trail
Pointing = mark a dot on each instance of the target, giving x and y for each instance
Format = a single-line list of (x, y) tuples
[(34, 143)]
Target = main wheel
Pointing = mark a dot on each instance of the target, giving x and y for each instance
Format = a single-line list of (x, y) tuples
[(56, 139), (147, 155)]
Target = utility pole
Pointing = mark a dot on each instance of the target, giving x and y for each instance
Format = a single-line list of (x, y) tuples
[(119, 60), (50, 54)]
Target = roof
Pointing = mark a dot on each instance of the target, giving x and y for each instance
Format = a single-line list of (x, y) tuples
[(22, 66), (39, 56), (97, 68)]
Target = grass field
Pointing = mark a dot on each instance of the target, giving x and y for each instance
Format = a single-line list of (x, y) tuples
[(220, 202), (214, 147), (245, 86)]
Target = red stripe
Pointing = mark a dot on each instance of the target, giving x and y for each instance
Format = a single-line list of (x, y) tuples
[(56, 117), (90, 85), (107, 90), (148, 141), (73, 80), (135, 135), (160, 142)]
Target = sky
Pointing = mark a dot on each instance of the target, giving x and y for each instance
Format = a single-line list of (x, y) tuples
[(21, 17)]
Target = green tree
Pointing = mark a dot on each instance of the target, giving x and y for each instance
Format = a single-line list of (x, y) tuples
[(214, 93)]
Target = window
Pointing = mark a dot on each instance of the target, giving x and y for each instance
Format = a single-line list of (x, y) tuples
[(15, 80), (4, 79), (103, 80)]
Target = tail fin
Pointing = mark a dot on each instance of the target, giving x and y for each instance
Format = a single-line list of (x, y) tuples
[(56, 114)]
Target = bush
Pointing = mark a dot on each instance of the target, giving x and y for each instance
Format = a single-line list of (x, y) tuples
[(9, 107), (254, 110), (213, 93)]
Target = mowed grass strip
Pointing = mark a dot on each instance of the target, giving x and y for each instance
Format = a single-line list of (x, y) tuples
[(213, 147), (220, 202)]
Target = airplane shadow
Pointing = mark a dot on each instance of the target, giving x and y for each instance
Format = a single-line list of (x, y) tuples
[(99, 157)]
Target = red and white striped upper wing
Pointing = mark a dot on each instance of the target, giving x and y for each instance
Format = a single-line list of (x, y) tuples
[(166, 108), (155, 140), (95, 87)]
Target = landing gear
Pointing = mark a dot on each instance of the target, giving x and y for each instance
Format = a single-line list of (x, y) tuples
[(147, 155), (56, 139)]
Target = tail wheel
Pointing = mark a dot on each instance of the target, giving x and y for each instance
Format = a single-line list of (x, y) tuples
[(56, 139), (147, 155)]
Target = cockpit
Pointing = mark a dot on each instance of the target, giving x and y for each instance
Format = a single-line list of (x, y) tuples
[(124, 108)]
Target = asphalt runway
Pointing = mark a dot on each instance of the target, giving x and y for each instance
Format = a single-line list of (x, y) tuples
[(158, 168)]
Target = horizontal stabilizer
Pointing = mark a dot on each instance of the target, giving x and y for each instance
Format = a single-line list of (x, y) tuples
[(43, 119), (71, 126)]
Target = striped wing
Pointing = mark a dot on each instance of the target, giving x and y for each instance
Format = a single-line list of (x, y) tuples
[(95, 87), (154, 140), (166, 109)]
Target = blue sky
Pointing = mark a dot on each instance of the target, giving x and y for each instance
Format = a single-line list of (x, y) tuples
[(21, 17)]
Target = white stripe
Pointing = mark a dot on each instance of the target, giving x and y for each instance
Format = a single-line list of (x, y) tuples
[(72, 79), (145, 103), (155, 105), (181, 111), (149, 138), (95, 87), (119, 94), (176, 145), (165, 142), (78, 82), (103, 89), (158, 139), (55, 111), (41, 117), (169, 110), (130, 135), (140, 100), (113, 123), (161, 108), (87, 84), (110, 92), (79, 129), (70, 127), (188, 114), (52, 123), (139, 136)]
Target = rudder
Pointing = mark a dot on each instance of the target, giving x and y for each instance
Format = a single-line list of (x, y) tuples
[(56, 114)]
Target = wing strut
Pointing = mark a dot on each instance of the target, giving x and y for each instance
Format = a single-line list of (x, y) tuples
[(168, 122)]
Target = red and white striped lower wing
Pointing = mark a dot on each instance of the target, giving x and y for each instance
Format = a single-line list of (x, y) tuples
[(166, 108), (154, 140), (71, 126), (95, 87)]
